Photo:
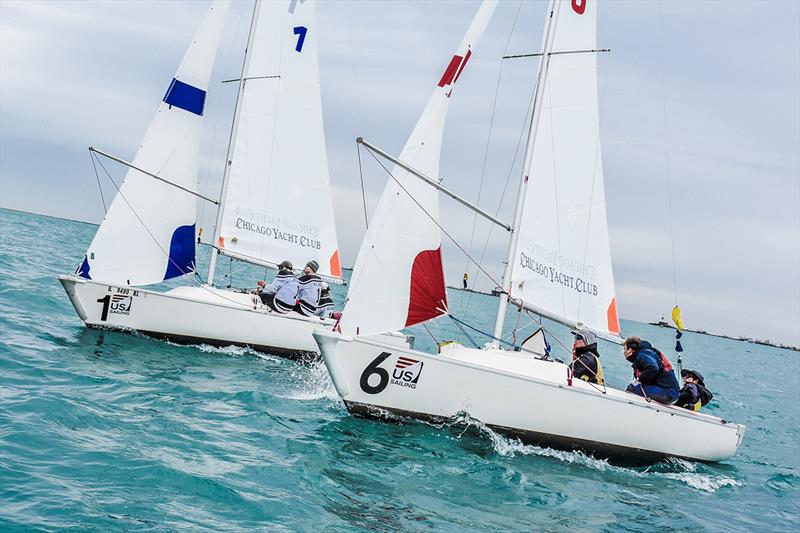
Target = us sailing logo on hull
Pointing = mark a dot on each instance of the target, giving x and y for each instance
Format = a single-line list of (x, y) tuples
[(406, 372), (118, 304)]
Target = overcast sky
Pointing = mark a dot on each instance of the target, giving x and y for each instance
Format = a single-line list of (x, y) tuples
[(725, 74)]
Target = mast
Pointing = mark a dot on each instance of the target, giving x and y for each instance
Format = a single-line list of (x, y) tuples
[(552, 15), (231, 142)]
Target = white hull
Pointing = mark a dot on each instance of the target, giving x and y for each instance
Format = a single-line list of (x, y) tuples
[(200, 315), (520, 396)]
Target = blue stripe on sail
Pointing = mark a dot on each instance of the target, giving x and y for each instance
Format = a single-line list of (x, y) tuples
[(181, 253), (83, 270), (185, 96)]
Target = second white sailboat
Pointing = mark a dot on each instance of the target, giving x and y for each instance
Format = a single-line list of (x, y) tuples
[(275, 203)]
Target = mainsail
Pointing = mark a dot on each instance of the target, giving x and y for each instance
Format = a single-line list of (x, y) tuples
[(562, 265), (147, 235), (398, 277), (277, 201)]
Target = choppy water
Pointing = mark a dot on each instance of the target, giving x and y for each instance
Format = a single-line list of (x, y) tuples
[(108, 431)]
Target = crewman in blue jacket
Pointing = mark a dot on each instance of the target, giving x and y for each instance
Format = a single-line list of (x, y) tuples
[(652, 370)]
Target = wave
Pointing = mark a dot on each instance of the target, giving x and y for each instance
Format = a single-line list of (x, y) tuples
[(674, 469), (228, 350), (313, 383)]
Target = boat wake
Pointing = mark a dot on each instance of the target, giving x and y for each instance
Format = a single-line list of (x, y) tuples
[(230, 350), (694, 475), (312, 382)]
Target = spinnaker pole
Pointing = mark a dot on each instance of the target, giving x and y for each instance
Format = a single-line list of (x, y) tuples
[(231, 144)]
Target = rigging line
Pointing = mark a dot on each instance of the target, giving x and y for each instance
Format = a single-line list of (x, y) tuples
[(505, 189), (563, 52), (429, 215), (531, 322), (363, 191), (119, 191), (424, 325), (252, 78), (488, 144), (601, 106), (358, 113), (99, 186), (555, 190), (517, 348), (666, 154), (215, 126), (152, 175), (355, 67), (514, 331), (467, 335), (195, 123)]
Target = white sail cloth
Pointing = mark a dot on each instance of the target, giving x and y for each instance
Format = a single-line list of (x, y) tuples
[(147, 235), (562, 265), (278, 200), (398, 277)]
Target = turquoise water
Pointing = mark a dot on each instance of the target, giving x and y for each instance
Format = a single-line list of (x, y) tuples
[(104, 431)]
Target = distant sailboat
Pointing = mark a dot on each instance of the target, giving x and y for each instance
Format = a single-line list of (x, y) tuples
[(275, 203), (558, 265)]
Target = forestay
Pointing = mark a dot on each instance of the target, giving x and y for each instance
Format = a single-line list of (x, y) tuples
[(562, 265), (278, 200), (147, 235), (398, 277)]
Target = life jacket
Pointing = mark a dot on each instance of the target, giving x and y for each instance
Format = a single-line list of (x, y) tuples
[(666, 366), (598, 374), (589, 350), (663, 363), (705, 395)]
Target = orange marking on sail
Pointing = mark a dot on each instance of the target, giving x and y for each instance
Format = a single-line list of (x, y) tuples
[(221, 241), (336, 266), (613, 319)]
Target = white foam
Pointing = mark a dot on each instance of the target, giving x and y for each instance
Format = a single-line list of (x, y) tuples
[(689, 475), (314, 383), (702, 482), (227, 350), (235, 351)]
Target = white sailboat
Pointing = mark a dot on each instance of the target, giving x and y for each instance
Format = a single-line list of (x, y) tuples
[(559, 266), (275, 203)]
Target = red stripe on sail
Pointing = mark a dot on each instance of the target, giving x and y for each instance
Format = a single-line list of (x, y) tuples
[(613, 319), (336, 266), (427, 294), (579, 6), (463, 64), (450, 71)]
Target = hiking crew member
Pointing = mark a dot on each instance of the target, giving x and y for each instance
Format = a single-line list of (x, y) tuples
[(281, 292), (325, 307), (694, 393), (466, 277), (652, 370), (586, 358), (310, 287)]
